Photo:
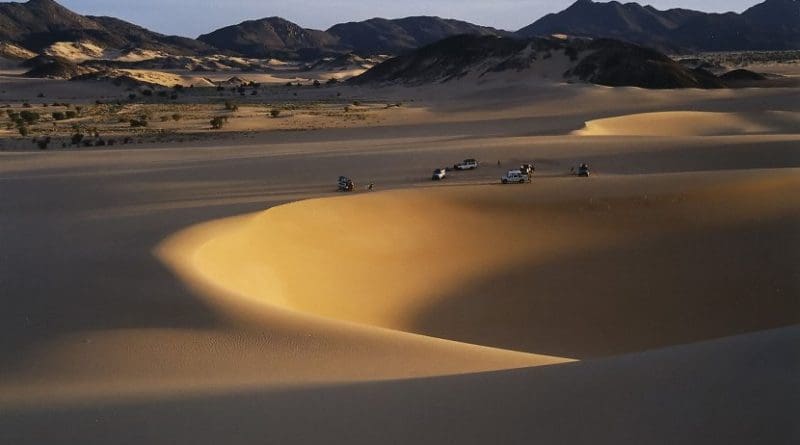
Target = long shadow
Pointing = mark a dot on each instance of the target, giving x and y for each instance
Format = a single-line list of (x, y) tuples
[(672, 290), (64, 271), (733, 391), (731, 156)]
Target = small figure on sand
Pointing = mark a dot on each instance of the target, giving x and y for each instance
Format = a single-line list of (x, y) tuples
[(371, 186)]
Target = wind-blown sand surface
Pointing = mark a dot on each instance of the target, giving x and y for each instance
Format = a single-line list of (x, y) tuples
[(695, 123), (568, 269), (137, 311)]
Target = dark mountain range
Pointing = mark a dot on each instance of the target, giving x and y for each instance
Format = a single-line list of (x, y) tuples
[(771, 25), (271, 37), (276, 37), (598, 61), (383, 36), (38, 24)]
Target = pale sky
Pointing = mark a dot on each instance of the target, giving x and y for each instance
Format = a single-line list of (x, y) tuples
[(194, 17)]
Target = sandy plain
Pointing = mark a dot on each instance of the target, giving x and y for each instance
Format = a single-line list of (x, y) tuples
[(220, 291)]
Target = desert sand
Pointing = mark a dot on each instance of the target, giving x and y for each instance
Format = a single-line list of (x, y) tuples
[(222, 292)]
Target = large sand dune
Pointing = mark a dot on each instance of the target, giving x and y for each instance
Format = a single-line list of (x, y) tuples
[(562, 268)]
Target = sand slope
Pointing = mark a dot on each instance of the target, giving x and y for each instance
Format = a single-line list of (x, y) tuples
[(694, 123), (670, 396), (565, 268)]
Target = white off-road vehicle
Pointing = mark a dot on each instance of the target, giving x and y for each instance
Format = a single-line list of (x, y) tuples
[(467, 164), (439, 174), (515, 177)]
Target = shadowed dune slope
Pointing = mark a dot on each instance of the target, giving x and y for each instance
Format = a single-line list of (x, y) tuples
[(677, 395), (567, 267)]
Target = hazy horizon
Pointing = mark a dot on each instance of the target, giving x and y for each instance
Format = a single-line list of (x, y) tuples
[(193, 18)]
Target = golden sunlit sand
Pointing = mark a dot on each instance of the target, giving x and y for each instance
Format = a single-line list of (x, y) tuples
[(573, 270), (694, 123)]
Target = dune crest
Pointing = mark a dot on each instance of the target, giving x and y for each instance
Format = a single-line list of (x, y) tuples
[(509, 267), (694, 123)]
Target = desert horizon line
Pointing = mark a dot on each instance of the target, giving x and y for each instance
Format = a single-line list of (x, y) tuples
[(508, 27)]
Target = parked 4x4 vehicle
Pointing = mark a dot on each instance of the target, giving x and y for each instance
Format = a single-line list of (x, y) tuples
[(515, 177), (439, 174), (346, 184), (528, 169), (467, 164)]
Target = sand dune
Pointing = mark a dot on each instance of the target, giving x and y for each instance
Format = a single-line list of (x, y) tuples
[(517, 267), (694, 123), (79, 51), (302, 323)]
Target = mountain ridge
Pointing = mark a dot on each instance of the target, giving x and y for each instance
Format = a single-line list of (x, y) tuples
[(770, 25)]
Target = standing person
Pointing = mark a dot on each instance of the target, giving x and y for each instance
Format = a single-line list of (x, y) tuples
[(371, 186)]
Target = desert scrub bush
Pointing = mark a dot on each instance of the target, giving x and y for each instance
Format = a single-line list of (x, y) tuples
[(70, 114), (275, 112), (59, 116), (43, 143), (218, 122), (176, 117), (140, 122), (30, 117), (23, 131), (230, 106)]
